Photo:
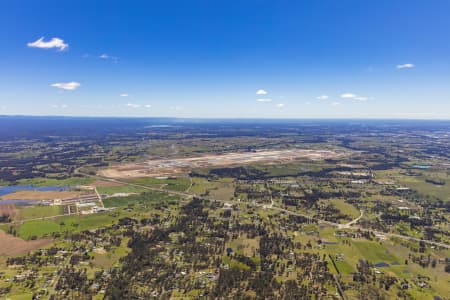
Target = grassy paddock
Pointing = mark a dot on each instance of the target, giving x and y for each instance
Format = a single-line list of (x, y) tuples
[(39, 211), (110, 190), (42, 228), (179, 184), (143, 198)]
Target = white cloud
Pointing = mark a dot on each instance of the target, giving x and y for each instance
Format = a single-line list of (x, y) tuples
[(280, 105), (335, 103), (405, 66), (73, 85), (264, 100), (348, 96), (133, 105), (176, 108), (261, 92), (351, 96), (322, 97), (53, 43), (124, 95), (147, 106)]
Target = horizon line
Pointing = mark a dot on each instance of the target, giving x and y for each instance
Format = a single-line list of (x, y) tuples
[(226, 118)]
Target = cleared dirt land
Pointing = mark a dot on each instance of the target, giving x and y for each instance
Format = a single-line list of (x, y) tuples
[(11, 245), (8, 210), (165, 167), (37, 195)]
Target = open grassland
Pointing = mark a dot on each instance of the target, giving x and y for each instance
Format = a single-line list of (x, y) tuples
[(143, 199), (110, 190), (179, 184), (345, 208), (43, 228), (104, 259), (222, 189), (39, 211), (374, 252), (419, 183)]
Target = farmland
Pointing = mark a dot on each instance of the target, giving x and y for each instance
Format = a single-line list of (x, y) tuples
[(275, 212)]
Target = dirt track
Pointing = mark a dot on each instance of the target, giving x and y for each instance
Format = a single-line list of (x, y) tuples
[(164, 167), (11, 245)]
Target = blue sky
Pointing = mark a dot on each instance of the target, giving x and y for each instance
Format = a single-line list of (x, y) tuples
[(233, 59)]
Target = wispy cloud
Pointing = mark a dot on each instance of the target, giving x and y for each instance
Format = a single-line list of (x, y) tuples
[(53, 43), (109, 57), (322, 97), (264, 100), (351, 96), (405, 66), (280, 105), (335, 103), (59, 106), (261, 92), (124, 95), (135, 105), (73, 85)]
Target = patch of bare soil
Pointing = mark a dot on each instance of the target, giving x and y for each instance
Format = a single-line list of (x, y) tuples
[(37, 195), (11, 245), (8, 210)]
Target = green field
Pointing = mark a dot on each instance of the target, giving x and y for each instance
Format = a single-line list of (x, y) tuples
[(374, 252), (143, 198), (42, 228), (419, 184), (110, 190), (345, 208), (38, 211), (179, 184)]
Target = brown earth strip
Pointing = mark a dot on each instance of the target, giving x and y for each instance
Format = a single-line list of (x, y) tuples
[(37, 195), (8, 210), (11, 245)]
